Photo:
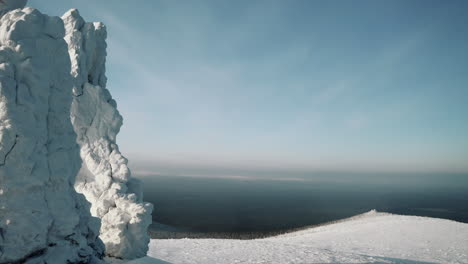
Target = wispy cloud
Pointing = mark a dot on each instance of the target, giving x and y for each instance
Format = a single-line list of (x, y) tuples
[(143, 173), (219, 83)]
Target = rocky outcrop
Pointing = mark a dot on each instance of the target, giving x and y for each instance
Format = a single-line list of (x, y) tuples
[(104, 178), (62, 202), (42, 218)]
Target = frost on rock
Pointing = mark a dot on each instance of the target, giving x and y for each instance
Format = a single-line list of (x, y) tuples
[(42, 218), (104, 178)]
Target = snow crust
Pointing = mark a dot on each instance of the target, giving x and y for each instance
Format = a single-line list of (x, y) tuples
[(370, 238), (104, 178), (42, 218)]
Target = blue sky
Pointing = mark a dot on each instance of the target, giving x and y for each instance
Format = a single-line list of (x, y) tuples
[(320, 85)]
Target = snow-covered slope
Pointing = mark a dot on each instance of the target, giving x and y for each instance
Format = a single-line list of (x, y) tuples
[(369, 238)]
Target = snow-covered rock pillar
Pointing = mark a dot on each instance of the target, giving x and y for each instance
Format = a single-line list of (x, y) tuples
[(42, 218), (104, 177)]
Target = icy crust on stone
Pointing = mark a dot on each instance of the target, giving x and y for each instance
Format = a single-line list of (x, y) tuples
[(104, 177), (42, 218)]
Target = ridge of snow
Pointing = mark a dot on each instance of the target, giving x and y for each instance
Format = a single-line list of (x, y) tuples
[(369, 214), (42, 218), (104, 178), (372, 237)]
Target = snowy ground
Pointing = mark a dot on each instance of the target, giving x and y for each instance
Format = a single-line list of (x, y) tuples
[(369, 238)]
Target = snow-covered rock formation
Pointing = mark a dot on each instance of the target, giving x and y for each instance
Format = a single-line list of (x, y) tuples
[(42, 218), (104, 178), (52, 96)]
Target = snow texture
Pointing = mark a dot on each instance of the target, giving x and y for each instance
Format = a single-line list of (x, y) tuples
[(369, 238), (42, 218), (104, 178)]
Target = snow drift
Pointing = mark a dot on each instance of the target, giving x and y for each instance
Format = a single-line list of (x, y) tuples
[(105, 180), (52, 96), (368, 238)]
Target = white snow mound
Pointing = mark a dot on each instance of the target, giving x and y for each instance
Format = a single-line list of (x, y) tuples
[(369, 238)]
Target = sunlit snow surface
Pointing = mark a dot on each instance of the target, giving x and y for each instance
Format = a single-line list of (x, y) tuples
[(369, 238)]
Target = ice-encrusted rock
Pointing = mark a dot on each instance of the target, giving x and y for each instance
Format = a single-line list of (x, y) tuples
[(42, 218), (104, 178)]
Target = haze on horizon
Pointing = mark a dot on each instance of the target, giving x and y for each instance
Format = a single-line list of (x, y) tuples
[(309, 85)]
